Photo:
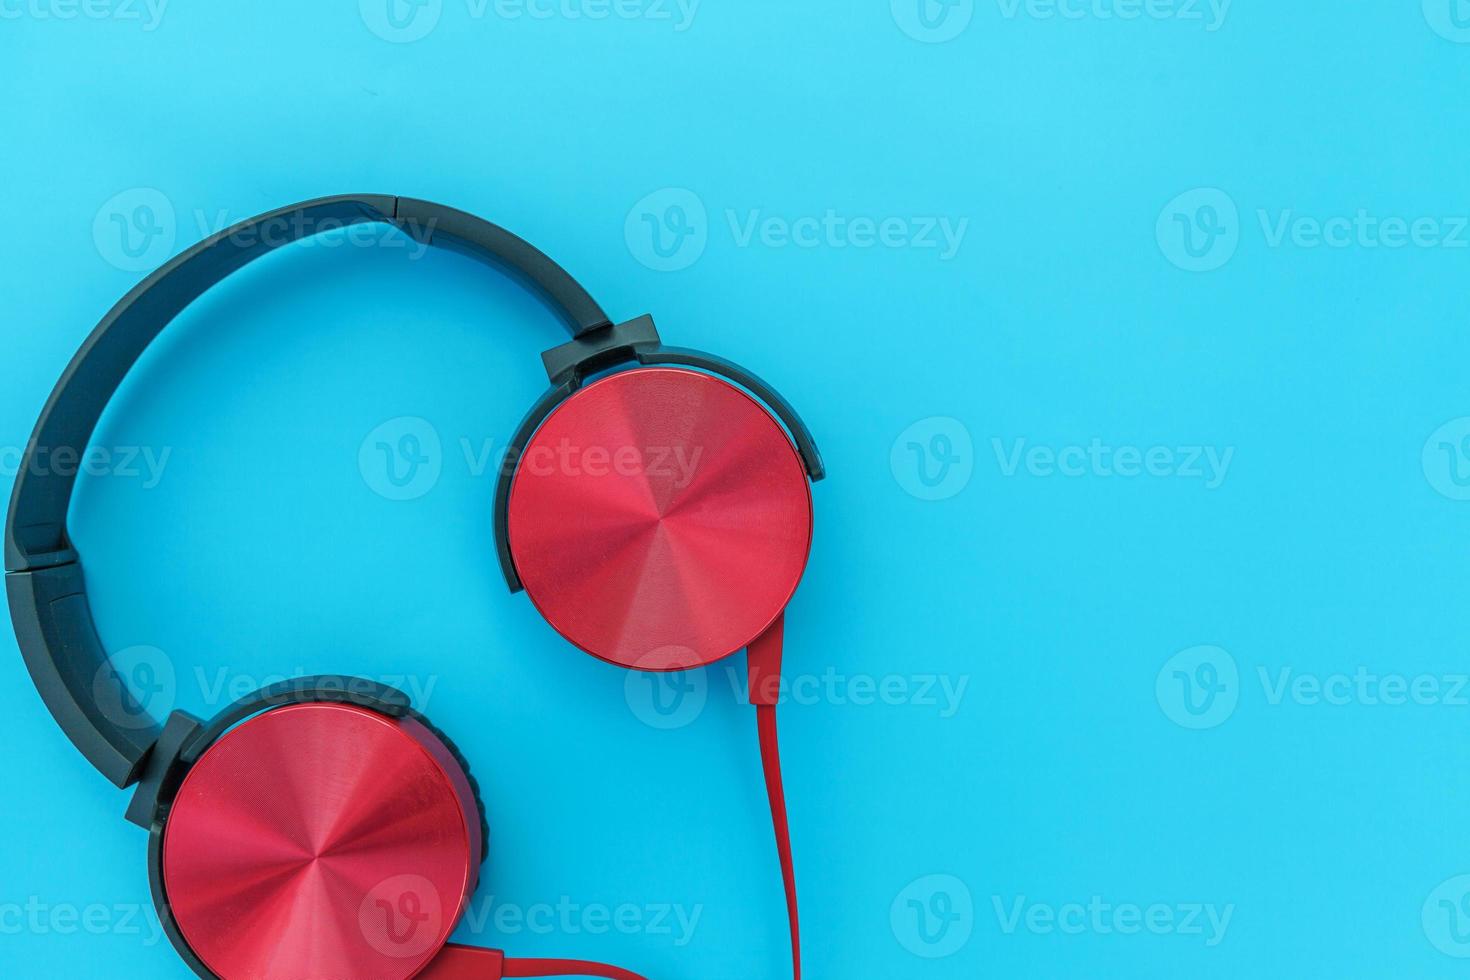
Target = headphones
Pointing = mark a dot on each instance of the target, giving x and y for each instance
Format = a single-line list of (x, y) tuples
[(322, 828)]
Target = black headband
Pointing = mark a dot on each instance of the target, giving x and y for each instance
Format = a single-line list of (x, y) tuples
[(44, 582)]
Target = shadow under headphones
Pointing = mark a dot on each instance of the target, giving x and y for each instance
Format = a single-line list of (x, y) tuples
[(322, 828)]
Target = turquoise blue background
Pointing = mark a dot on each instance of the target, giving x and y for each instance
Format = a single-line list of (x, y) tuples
[(1064, 317)]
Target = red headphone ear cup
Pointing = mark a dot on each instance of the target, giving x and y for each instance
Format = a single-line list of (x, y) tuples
[(660, 518), (321, 840)]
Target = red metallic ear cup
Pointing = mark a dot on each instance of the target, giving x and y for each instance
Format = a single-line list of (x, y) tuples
[(321, 841), (660, 518)]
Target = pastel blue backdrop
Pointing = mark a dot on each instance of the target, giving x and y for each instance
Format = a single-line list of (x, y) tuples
[(1134, 336)]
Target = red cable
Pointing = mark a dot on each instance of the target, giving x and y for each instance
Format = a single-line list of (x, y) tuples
[(771, 761), (764, 665), (763, 662), (456, 962), (565, 968)]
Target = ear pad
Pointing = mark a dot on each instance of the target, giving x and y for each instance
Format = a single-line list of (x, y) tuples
[(321, 840), (660, 518)]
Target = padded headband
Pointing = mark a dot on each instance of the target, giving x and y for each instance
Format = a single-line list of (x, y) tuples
[(44, 581)]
